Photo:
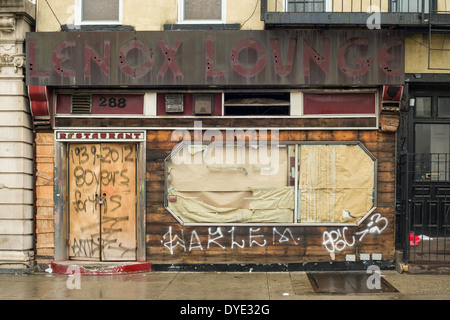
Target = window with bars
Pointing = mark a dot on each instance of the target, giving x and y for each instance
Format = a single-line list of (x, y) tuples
[(404, 6), (306, 5), (432, 137), (412, 6)]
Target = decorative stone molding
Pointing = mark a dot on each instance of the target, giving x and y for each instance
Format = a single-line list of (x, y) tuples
[(7, 23), (11, 48), (17, 61), (16, 199)]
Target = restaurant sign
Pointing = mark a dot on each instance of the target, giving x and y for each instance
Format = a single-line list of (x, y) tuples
[(215, 58)]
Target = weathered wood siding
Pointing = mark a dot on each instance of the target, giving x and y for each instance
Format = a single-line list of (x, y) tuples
[(170, 243), (44, 200), (150, 123), (167, 242)]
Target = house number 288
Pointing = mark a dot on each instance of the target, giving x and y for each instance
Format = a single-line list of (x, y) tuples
[(113, 102)]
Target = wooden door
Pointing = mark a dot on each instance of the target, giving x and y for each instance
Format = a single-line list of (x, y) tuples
[(84, 211), (102, 201), (118, 192)]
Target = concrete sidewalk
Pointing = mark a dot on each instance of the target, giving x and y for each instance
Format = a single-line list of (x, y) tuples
[(207, 286)]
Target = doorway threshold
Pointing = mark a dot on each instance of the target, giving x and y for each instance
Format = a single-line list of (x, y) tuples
[(70, 267)]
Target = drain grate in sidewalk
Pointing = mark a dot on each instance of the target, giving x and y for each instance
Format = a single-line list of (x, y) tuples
[(347, 283)]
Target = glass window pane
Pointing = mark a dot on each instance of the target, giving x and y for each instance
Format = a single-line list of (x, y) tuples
[(410, 6), (443, 107), (306, 6), (432, 142), (423, 107), (422, 141), (432, 138), (203, 9), (100, 10)]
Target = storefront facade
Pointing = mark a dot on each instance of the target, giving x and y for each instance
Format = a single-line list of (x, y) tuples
[(217, 148)]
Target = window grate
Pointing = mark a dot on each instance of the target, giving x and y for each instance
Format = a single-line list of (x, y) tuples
[(81, 104)]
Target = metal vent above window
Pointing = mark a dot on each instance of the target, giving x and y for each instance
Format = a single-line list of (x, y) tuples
[(81, 104)]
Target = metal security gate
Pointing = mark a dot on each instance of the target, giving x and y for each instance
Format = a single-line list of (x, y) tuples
[(424, 212)]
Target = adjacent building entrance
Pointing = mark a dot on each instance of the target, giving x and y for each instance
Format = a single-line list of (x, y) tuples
[(102, 201), (425, 177)]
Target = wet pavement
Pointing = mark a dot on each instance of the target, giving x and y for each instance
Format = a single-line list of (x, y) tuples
[(214, 286)]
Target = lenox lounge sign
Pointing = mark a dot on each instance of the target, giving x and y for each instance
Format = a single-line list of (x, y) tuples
[(216, 58)]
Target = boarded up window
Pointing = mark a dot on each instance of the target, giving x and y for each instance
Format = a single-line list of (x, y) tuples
[(230, 184), (336, 183), (267, 184)]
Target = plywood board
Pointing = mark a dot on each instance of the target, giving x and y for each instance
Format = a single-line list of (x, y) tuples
[(118, 214), (102, 201), (84, 212), (224, 168), (336, 183)]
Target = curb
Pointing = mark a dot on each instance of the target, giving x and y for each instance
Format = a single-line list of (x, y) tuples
[(86, 268)]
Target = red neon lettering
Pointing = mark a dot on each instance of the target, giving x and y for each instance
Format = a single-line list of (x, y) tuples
[(248, 71), (170, 62), (58, 58), (310, 54), (384, 57), (91, 54), (283, 70), (210, 72), (365, 64), (132, 71)]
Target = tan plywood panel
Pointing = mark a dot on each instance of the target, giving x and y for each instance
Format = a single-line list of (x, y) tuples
[(228, 169), (336, 183), (118, 213), (84, 211)]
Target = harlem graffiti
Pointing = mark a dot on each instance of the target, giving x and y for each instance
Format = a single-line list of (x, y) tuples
[(334, 241), (226, 238)]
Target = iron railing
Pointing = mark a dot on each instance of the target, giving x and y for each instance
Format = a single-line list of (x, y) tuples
[(361, 6), (423, 217)]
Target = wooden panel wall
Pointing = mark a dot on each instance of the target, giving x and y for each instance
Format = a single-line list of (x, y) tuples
[(174, 122), (170, 243), (44, 174)]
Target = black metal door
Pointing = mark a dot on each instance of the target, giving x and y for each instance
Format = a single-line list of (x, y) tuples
[(425, 178), (430, 194)]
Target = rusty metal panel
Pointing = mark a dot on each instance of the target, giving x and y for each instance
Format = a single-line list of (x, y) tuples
[(281, 58)]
